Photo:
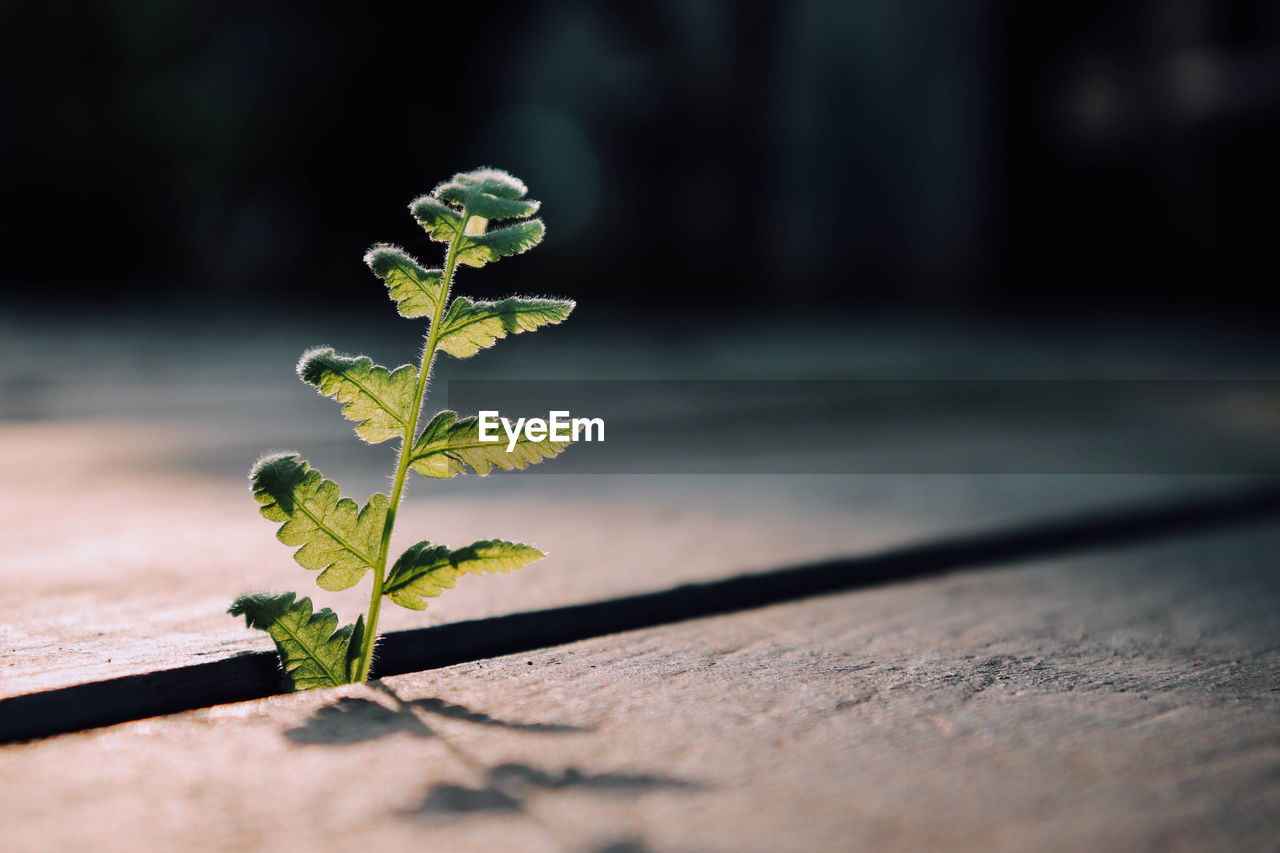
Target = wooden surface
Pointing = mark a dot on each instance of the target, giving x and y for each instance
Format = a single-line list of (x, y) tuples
[(1121, 702), (1124, 699)]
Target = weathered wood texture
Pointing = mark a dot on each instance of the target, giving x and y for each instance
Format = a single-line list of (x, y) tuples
[(1125, 700), (253, 675), (1118, 702), (127, 526)]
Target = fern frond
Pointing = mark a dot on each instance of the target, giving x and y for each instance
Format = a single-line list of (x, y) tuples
[(482, 215)]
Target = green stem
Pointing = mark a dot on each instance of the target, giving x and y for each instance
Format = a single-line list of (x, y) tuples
[(402, 464)]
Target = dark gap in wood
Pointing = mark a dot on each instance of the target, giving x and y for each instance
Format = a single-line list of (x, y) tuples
[(256, 675)]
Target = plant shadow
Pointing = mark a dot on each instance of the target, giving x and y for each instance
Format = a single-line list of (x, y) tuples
[(453, 711), (625, 845), (352, 719), (508, 787)]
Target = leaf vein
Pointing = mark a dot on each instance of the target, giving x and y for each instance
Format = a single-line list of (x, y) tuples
[(309, 653), (336, 537), (382, 404)]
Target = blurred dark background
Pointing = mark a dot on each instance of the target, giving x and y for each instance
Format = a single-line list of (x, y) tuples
[(928, 155)]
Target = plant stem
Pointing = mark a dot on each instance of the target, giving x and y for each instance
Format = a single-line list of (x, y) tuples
[(406, 445)]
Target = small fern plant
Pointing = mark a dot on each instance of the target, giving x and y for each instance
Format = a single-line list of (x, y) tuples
[(343, 541)]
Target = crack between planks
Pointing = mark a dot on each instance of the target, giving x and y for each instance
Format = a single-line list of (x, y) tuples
[(256, 675)]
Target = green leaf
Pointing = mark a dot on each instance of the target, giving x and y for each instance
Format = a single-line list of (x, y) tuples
[(494, 182), (337, 538), (426, 570), (447, 447), (441, 221), (512, 240), (354, 644), (314, 651), (380, 401), (483, 194), (416, 290), (488, 193), (469, 326)]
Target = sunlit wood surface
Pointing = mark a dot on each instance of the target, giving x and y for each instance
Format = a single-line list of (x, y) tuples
[(1123, 700)]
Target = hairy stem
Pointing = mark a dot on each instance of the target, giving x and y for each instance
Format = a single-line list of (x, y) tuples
[(402, 464)]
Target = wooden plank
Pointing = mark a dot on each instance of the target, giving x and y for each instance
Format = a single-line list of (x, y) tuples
[(254, 675), (128, 529), (1118, 701)]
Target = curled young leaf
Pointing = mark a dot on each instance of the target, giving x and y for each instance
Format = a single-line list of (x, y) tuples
[(482, 195), (488, 193)]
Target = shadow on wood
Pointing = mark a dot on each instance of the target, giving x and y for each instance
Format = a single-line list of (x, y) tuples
[(352, 719), (508, 786), (255, 675)]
